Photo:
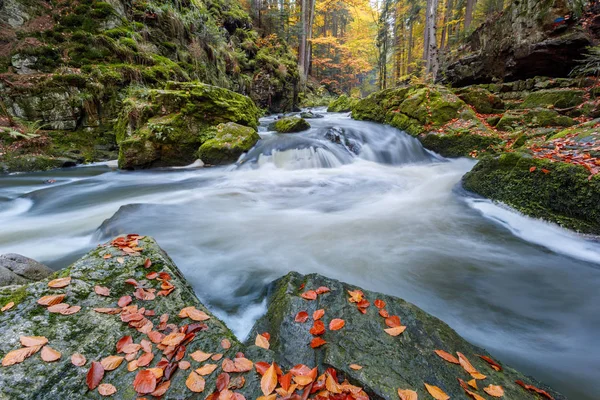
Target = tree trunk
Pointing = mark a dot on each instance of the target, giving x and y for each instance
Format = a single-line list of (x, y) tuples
[(469, 13), (446, 29), (302, 47), (431, 56)]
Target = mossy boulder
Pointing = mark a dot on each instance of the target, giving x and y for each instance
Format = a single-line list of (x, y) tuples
[(165, 127), (482, 100), (459, 144), (563, 194), (95, 334), (342, 104), (290, 125), (557, 98), (533, 118), (229, 141), (388, 363)]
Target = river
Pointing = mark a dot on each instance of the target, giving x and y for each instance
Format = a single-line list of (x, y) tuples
[(357, 201)]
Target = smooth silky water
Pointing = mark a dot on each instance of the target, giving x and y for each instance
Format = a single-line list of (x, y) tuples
[(356, 201)]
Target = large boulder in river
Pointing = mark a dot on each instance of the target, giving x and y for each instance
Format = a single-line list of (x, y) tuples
[(229, 142), (17, 269), (290, 125), (364, 353), (95, 330), (165, 127), (341, 104)]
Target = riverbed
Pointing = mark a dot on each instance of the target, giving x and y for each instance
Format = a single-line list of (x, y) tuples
[(356, 201)]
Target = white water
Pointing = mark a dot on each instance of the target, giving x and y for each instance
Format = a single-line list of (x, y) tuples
[(375, 209)]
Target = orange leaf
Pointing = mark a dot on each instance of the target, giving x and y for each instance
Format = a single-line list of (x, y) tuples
[(124, 301), (102, 290), (534, 389), (242, 364), (301, 317), (71, 310), (183, 364), (473, 384), (59, 282), (355, 367), (225, 343), (147, 263), (532, 169), (58, 308), (318, 328), (28, 341), (206, 369), (383, 312), (51, 300), (8, 306), (197, 315), (336, 324), (49, 354), (18, 356), (161, 389), (261, 341), (545, 171), (111, 362), (447, 356), (317, 342), (490, 361), (322, 289), (309, 295), (468, 367), (395, 331), (494, 390), (78, 360), (406, 394), (173, 339), (318, 314), (94, 375), (285, 381), (393, 321), (145, 382), (200, 356), (125, 340), (268, 382), (145, 359), (106, 389), (436, 392), (380, 304)]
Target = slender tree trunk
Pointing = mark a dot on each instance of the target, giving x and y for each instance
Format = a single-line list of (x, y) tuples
[(446, 28), (302, 47), (469, 13), (410, 47), (430, 52), (309, 34)]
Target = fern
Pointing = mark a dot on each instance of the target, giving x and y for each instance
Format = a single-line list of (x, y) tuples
[(590, 65)]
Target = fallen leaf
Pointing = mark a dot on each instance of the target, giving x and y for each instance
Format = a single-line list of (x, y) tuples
[(147, 263), (447, 356), (107, 256), (18, 356), (145, 382), (106, 389), (49, 354), (145, 359), (94, 375), (58, 308), (268, 382), (173, 339), (406, 394), (132, 366), (195, 382), (318, 328), (111, 362), (436, 392), (262, 341), (309, 295), (197, 315), (51, 300), (395, 331), (124, 301), (494, 390), (183, 365), (322, 289), (71, 310), (545, 171), (242, 364), (124, 341), (384, 313), (318, 314), (301, 317), (206, 369), (161, 389), (226, 344), (393, 321), (532, 169), (200, 356), (78, 360), (120, 260), (102, 290), (28, 341), (317, 342), (355, 367), (534, 389), (59, 282), (468, 367), (473, 384), (336, 324), (216, 357), (8, 306), (493, 363), (380, 304)]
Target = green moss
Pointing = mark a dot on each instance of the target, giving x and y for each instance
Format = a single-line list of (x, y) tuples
[(290, 125), (559, 98), (564, 195), (16, 295), (482, 100), (534, 118), (228, 143), (458, 144), (341, 104)]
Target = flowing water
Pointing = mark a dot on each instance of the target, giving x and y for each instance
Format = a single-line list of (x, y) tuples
[(357, 201)]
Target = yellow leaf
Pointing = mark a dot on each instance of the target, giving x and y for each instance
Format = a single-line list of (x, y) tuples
[(436, 392), (406, 394), (268, 381)]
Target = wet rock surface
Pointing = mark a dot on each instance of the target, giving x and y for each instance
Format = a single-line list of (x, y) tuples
[(18, 269)]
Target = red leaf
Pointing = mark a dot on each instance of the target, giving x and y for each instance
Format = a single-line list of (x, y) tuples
[(532, 169), (125, 340), (309, 295), (94, 375), (318, 314), (393, 321), (301, 317), (322, 289), (336, 324), (147, 263), (145, 382), (318, 328), (317, 342), (379, 303), (124, 301)]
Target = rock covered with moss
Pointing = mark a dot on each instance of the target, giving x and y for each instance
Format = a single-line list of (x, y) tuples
[(363, 352), (559, 192), (341, 104), (290, 125), (165, 127), (482, 100), (229, 142), (94, 334)]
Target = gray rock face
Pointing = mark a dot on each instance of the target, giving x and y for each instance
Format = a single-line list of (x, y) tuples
[(18, 269), (388, 363), (23, 64)]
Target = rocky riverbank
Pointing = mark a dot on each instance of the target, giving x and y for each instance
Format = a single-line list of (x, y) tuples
[(123, 321)]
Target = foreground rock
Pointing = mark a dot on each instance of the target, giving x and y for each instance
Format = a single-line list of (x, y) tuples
[(359, 359), (389, 363), (290, 125), (160, 128), (229, 142), (17, 269), (94, 334)]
